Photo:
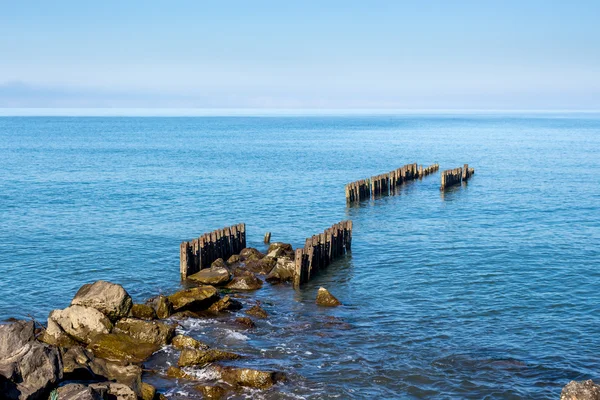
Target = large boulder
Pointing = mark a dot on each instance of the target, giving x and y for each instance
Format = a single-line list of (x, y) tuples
[(283, 271), (79, 322), (279, 249), (162, 306), (262, 266), (198, 357), (250, 254), (583, 390), (225, 304), (154, 332), (28, 368), (54, 335), (245, 282), (109, 298), (194, 299), (250, 377), (214, 275), (121, 347), (326, 299)]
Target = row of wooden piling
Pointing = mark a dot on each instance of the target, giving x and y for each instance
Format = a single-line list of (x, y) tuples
[(202, 252), (320, 250), (455, 176), (386, 184)]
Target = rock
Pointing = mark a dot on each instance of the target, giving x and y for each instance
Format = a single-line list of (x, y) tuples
[(81, 364), (80, 322), (279, 249), (218, 263), (582, 390), (250, 254), (54, 335), (211, 392), (148, 391), (211, 276), (247, 282), (262, 266), (247, 322), (77, 391), (178, 373), (154, 332), (326, 299), (162, 306), (183, 315), (28, 369), (283, 271), (250, 377), (195, 299), (225, 304), (257, 311), (233, 259), (189, 357), (142, 311), (182, 341), (118, 390), (121, 347), (109, 298)]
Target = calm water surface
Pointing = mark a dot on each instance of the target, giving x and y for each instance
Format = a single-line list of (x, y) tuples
[(489, 291)]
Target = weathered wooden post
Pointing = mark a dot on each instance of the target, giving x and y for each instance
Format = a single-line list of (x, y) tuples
[(267, 238)]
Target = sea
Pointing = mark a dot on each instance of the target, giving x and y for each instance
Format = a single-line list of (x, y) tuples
[(489, 290)]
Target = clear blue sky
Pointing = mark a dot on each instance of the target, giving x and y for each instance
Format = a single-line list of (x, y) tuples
[(303, 54)]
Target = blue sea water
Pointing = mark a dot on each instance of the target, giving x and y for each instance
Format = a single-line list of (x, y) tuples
[(490, 290)]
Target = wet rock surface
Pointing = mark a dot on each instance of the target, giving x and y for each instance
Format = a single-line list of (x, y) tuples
[(162, 306), (194, 299), (257, 311), (225, 304), (198, 357), (154, 332), (79, 322), (326, 299), (121, 347), (283, 271), (245, 282), (182, 341), (215, 275), (250, 377), (143, 311)]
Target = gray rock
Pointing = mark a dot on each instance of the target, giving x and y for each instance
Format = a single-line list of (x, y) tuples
[(81, 323), (28, 369), (245, 282), (582, 390), (118, 390), (250, 377), (279, 249), (162, 306), (109, 298)]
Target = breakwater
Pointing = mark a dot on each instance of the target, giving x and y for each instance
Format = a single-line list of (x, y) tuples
[(386, 184), (451, 177), (201, 252), (320, 250)]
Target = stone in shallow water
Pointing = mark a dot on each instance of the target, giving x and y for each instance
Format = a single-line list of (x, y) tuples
[(582, 390), (182, 341), (211, 276), (245, 321), (77, 391), (250, 254), (326, 299), (283, 271), (118, 390), (109, 298), (246, 282), (257, 311), (189, 357), (211, 392), (250, 377), (225, 304), (162, 306), (194, 299)]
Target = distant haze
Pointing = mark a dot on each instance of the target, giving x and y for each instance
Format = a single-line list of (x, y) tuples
[(305, 54)]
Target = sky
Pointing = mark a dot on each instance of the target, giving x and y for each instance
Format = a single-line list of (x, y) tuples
[(307, 54)]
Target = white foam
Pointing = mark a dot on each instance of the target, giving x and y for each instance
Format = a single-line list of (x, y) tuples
[(237, 336)]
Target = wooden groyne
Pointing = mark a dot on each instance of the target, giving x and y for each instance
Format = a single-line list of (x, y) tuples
[(451, 177), (386, 184), (320, 250), (202, 252)]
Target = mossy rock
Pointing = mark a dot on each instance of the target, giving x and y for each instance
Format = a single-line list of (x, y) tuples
[(180, 342), (197, 357), (121, 347), (194, 299), (143, 311)]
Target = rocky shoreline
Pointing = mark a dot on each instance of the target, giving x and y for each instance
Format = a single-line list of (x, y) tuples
[(97, 346)]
